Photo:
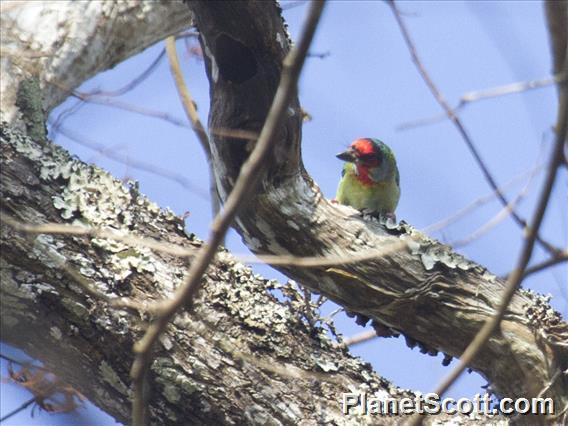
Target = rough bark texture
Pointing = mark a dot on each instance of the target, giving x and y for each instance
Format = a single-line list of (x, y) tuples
[(241, 357), (425, 291), (62, 44), (220, 364)]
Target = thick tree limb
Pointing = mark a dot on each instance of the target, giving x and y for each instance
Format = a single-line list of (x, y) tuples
[(208, 369), (515, 278), (67, 43), (240, 357), (243, 356), (248, 177), (425, 291)]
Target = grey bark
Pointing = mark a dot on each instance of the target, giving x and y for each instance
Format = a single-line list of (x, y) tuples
[(219, 364), (425, 291), (63, 44), (240, 357), (223, 362)]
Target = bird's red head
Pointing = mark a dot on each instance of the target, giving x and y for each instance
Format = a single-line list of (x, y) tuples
[(363, 146), (364, 152)]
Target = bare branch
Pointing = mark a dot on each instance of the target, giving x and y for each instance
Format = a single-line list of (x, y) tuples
[(131, 85), (508, 89), (185, 96), (109, 233), (498, 218), (110, 101), (135, 82), (176, 250), (19, 409), (441, 224), (555, 260), (516, 276), (458, 124), (363, 337), (193, 116), (136, 164), (249, 176), (493, 92), (126, 106)]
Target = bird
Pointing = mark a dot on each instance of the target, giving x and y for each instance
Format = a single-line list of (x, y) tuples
[(370, 181)]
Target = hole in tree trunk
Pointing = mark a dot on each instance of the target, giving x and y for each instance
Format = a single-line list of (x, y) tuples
[(236, 62)]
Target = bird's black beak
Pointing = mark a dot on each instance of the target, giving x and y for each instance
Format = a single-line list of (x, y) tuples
[(348, 155)]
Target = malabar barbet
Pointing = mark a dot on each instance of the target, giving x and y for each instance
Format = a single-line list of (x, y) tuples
[(370, 181)]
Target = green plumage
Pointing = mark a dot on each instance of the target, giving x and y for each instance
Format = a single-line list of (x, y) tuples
[(370, 179)]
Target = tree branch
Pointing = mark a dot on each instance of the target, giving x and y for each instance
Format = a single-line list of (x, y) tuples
[(461, 128), (515, 278), (445, 298), (248, 178), (193, 116), (67, 57), (225, 362)]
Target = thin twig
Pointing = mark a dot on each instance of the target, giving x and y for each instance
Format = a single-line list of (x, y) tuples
[(493, 92), (458, 124), (131, 85), (53, 228), (504, 213), (178, 178), (508, 89), (116, 103), (498, 218), (108, 233), (19, 409), (24, 363), (136, 164), (554, 260), (248, 178), (56, 123), (185, 96), (360, 338), (282, 260), (180, 251), (130, 107), (193, 117), (516, 276), (444, 223)]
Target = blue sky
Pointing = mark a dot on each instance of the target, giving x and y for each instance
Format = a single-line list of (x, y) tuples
[(368, 87)]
